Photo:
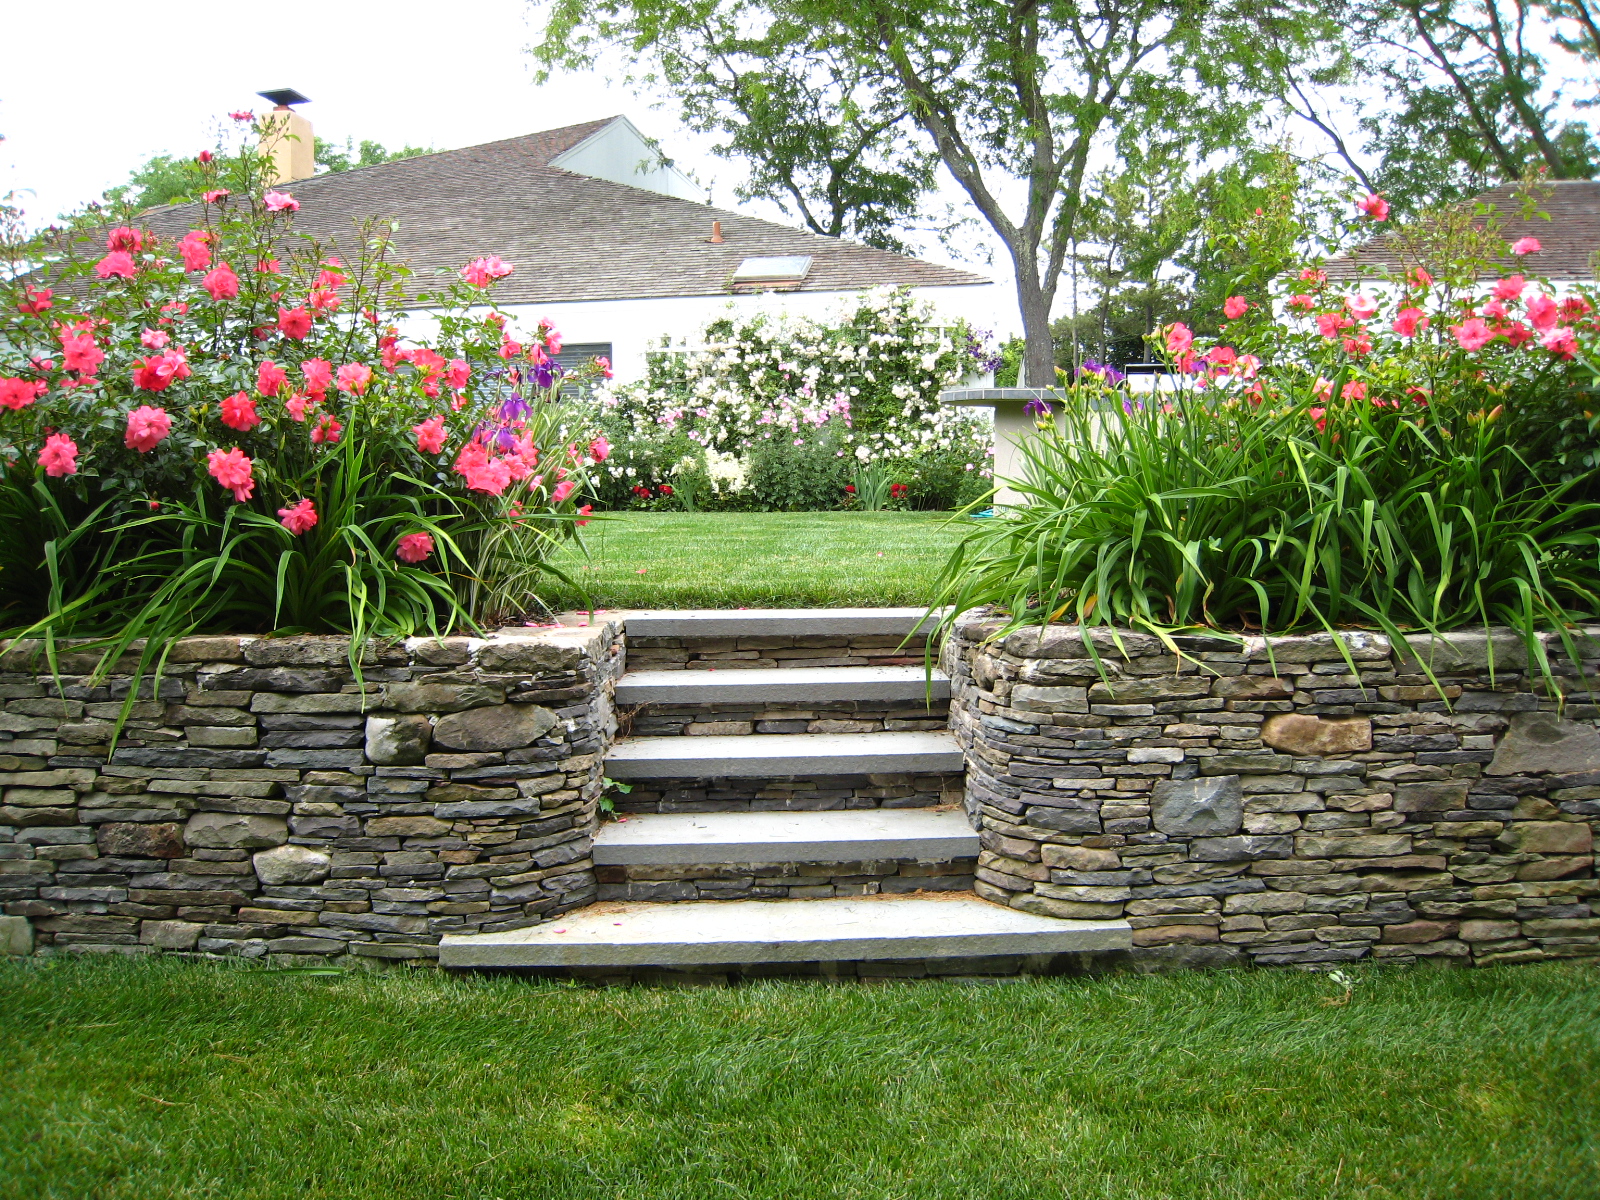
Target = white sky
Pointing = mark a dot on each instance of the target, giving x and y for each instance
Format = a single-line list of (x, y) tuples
[(156, 78)]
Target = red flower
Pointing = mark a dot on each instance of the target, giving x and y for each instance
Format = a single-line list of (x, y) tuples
[(159, 371), (1527, 245), (298, 518), (430, 435), (1375, 206), (280, 202), (221, 283), (38, 300), (204, 156), (18, 393), (242, 115), (584, 512), (294, 322), (482, 473), (851, 488), (118, 264), (239, 412), (270, 378), (324, 299), (194, 251), (566, 487), (1408, 321), (354, 377), (146, 427), (1302, 303), (215, 195), (1179, 338), (327, 429), (80, 354), (1235, 307), (318, 373), (1472, 334), (457, 373), (125, 238), (297, 405), (414, 547), (481, 272)]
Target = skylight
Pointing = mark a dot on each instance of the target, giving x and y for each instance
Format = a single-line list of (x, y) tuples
[(791, 269)]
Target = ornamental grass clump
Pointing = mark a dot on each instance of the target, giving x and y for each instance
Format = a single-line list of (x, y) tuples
[(225, 431), (1414, 455)]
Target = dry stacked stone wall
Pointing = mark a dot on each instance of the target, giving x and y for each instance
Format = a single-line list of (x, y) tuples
[(1284, 808), (267, 804)]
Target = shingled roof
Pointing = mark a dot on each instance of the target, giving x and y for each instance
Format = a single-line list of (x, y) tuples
[(571, 237), (1571, 236)]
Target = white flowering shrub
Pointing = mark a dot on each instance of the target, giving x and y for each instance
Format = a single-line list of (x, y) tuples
[(866, 383)]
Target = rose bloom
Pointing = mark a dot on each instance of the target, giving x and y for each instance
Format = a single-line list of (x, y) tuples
[(1235, 307), (482, 473), (18, 393), (118, 264), (430, 435), (239, 412), (1560, 341), (1354, 390), (294, 322), (1574, 307), (1222, 355), (1361, 307), (1408, 321), (158, 372), (327, 430), (1527, 245), (80, 354), (354, 377), (270, 377), (481, 272), (457, 373), (562, 490), (39, 299), (125, 238), (1472, 334), (280, 202), (1510, 289), (318, 373), (59, 456), (324, 300), (1302, 303), (193, 250), (600, 449), (1313, 276), (1330, 323), (1179, 338), (1359, 344), (154, 339), (1518, 334), (1543, 312), (414, 547), (146, 427), (605, 366), (1374, 205), (297, 405), (1418, 278), (215, 195), (232, 469), (298, 518), (221, 283), (1495, 309)]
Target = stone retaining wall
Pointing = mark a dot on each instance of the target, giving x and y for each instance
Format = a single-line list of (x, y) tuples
[(1285, 809), (268, 805)]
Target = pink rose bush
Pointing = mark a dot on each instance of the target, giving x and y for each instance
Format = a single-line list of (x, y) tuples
[(218, 380)]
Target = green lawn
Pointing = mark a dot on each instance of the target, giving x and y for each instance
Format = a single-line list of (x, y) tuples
[(144, 1080), (725, 560)]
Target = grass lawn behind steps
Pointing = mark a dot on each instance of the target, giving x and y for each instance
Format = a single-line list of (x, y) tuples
[(758, 560), (148, 1080)]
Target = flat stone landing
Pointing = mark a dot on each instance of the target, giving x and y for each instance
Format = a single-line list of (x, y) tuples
[(774, 931)]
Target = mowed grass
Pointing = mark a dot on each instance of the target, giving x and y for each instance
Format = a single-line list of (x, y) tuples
[(755, 560), (143, 1080)]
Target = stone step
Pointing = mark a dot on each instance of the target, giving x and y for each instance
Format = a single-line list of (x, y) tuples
[(782, 931), (926, 835), (791, 685), (758, 622), (772, 755)]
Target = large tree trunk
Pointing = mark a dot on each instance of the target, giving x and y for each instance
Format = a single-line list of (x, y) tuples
[(1039, 356)]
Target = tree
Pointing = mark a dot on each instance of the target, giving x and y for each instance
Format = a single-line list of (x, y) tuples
[(331, 158), (1015, 97)]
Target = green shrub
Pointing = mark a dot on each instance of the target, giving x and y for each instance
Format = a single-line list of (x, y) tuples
[(801, 471)]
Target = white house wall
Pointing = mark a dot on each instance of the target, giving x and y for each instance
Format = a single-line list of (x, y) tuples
[(633, 327)]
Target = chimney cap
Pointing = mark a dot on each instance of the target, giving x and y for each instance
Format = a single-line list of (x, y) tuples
[(283, 97)]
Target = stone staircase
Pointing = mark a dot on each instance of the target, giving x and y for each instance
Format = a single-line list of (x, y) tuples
[(796, 806)]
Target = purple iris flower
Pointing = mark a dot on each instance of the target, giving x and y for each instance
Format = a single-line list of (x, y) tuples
[(545, 374), (1037, 408), (1105, 371), (514, 409), (506, 440)]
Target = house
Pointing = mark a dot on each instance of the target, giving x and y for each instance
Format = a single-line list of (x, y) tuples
[(1565, 220), (609, 240)]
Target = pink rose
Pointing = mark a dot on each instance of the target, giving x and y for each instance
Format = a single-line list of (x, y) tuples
[(457, 373), (270, 377), (154, 339), (1354, 390), (562, 490), (1361, 307), (280, 202), (297, 405), (233, 470), (294, 322), (194, 251), (1472, 334), (118, 264), (59, 456), (1179, 338), (1543, 312), (239, 412), (1330, 323), (18, 393), (1408, 321), (1510, 289), (215, 195), (354, 377), (80, 354), (318, 373), (1235, 307), (327, 429), (1527, 245), (430, 435), (600, 449), (298, 518), (605, 366), (146, 427), (481, 272), (1560, 341), (1374, 205), (158, 372), (414, 547), (221, 283)]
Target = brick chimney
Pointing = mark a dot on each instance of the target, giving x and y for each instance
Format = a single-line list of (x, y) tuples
[(286, 136)]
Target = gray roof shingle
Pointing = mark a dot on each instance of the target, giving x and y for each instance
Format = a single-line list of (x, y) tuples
[(1570, 238), (571, 237)]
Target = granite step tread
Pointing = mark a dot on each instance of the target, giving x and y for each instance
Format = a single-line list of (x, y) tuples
[(769, 755), (766, 622), (926, 835), (855, 929), (785, 685)]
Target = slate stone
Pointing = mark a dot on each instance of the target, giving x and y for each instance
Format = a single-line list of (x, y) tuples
[(1236, 849), (292, 864), (274, 679), (1543, 743), (170, 935), (128, 840), (1548, 837), (499, 727), (1300, 733), (234, 831), (325, 827), (1211, 806), (1063, 820), (135, 756), (398, 741), (440, 697)]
